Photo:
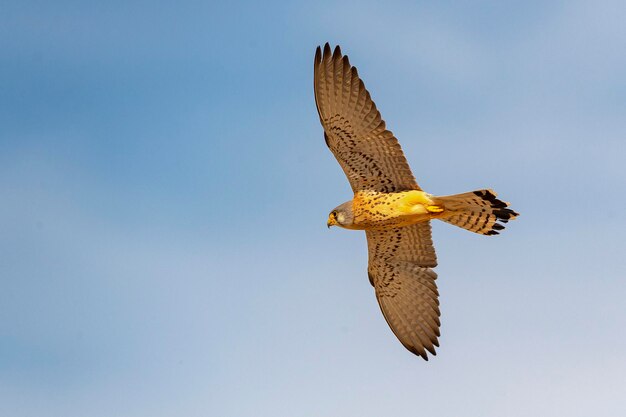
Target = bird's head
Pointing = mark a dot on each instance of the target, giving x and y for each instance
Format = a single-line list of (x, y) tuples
[(341, 216)]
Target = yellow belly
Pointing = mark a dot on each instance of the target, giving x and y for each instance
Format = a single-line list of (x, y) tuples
[(372, 209)]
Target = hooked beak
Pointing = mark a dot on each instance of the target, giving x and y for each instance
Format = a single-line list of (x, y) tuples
[(331, 222)]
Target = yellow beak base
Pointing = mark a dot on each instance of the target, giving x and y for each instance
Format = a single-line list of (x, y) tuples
[(331, 222)]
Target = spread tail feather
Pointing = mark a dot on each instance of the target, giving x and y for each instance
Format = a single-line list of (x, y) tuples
[(477, 211)]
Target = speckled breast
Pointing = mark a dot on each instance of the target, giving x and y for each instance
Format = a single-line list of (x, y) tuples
[(373, 209)]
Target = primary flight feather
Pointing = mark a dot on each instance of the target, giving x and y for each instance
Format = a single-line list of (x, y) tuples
[(389, 205)]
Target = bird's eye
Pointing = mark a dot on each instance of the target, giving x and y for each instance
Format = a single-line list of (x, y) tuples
[(334, 214)]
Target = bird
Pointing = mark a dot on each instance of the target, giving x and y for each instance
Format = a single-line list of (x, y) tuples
[(390, 206)]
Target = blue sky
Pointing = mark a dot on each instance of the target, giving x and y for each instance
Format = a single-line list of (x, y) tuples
[(165, 186)]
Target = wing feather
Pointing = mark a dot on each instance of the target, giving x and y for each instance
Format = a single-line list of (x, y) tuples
[(400, 262), (370, 155)]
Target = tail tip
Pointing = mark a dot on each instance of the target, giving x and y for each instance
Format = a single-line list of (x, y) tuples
[(499, 209)]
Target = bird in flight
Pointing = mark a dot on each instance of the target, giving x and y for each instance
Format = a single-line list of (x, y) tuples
[(389, 205)]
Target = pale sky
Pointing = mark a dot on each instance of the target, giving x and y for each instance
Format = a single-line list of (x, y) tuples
[(164, 188)]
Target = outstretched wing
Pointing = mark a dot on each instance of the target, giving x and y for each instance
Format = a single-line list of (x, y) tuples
[(400, 262), (369, 154)]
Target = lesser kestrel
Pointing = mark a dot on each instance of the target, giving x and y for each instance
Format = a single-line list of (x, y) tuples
[(389, 205)]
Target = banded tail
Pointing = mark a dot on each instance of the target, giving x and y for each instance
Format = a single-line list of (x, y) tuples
[(477, 211)]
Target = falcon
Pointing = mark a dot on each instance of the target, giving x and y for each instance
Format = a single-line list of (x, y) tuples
[(389, 205)]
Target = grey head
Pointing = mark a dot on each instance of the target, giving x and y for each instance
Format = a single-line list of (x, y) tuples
[(342, 216)]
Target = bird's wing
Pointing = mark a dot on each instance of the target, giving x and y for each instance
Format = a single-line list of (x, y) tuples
[(400, 262), (369, 154)]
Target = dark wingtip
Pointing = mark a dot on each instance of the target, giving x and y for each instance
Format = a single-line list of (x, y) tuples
[(414, 350), (326, 49), (337, 52), (431, 349), (422, 355), (346, 64)]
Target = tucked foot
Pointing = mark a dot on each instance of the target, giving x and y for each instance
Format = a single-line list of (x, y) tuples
[(434, 209)]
